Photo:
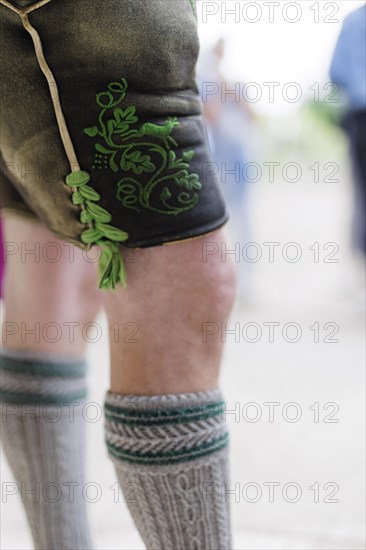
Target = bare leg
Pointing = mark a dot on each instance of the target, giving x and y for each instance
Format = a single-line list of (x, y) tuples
[(41, 374), (38, 289), (164, 425), (171, 292)]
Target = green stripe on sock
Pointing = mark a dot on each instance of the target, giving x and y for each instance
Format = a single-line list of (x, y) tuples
[(158, 417), (134, 411), (170, 457), (28, 398), (39, 368), (159, 421)]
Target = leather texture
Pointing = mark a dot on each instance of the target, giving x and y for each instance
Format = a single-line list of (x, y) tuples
[(147, 47)]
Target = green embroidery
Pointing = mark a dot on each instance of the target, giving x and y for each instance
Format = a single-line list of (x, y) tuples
[(100, 232), (165, 184), (138, 151)]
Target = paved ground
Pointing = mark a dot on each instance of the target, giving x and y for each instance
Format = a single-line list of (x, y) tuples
[(313, 465)]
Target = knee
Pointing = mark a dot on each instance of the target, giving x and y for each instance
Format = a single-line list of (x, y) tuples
[(214, 279), (181, 283)]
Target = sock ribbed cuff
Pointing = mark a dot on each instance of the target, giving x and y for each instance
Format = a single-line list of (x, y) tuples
[(34, 377), (162, 430)]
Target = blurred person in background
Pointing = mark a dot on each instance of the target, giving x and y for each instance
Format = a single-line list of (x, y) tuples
[(229, 121), (348, 71)]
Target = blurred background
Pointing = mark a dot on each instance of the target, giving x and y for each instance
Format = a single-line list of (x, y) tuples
[(285, 136)]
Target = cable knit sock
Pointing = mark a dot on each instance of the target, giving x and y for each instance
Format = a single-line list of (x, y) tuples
[(170, 454), (42, 431)]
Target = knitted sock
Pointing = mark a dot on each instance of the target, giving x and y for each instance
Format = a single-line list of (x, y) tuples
[(170, 454), (43, 439)]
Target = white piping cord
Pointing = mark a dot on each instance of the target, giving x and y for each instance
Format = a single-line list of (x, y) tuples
[(64, 133)]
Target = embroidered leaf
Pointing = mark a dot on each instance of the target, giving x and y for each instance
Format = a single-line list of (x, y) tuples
[(129, 114), (180, 165), (85, 216), (188, 155), (122, 120), (176, 163), (98, 213), (165, 194), (187, 181), (92, 131), (77, 198), (111, 267), (89, 193), (121, 128), (105, 259), (105, 271), (193, 182), (112, 233), (102, 149), (91, 235), (77, 178), (180, 176), (125, 115), (112, 163), (137, 162), (116, 266)]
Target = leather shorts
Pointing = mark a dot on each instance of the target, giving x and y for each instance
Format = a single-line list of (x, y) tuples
[(102, 137)]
